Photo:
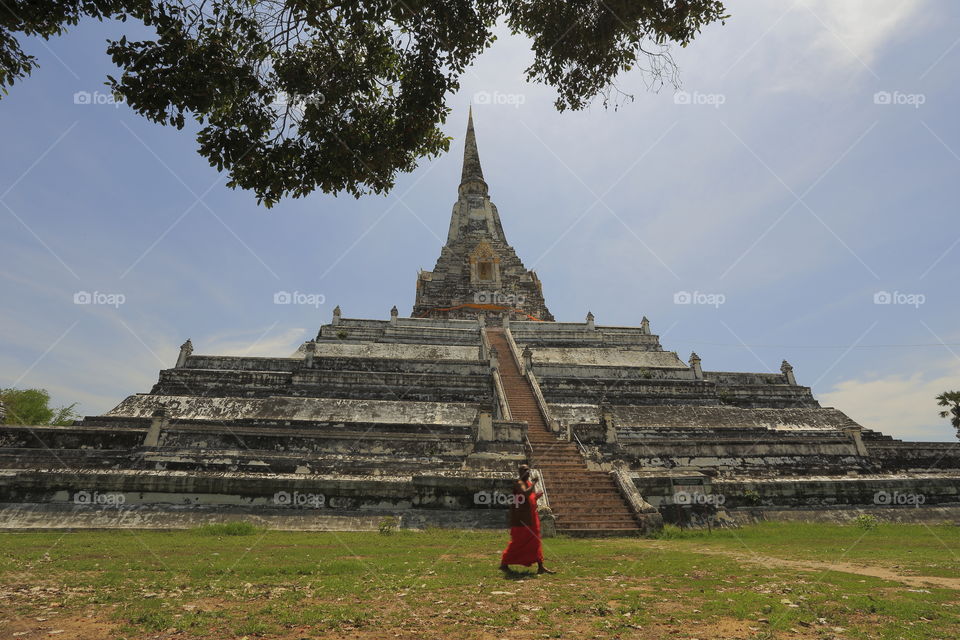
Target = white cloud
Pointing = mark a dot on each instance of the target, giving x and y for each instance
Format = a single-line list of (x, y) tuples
[(899, 405), (857, 30), (260, 344)]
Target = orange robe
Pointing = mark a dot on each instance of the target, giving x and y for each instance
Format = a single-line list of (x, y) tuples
[(525, 547)]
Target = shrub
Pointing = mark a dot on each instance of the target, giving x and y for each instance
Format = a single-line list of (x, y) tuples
[(671, 532), (387, 525)]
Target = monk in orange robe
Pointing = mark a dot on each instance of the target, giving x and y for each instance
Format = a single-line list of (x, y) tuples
[(525, 547)]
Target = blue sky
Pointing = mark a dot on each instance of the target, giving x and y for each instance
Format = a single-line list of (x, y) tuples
[(777, 181)]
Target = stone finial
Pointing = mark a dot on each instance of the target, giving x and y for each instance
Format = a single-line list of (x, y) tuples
[(645, 326), (3, 413), (157, 423), (608, 423), (393, 315), (484, 423), (603, 408), (336, 316), (854, 433), (695, 365), (482, 319), (310, 353), (590, 324), (527, 356), (494, 358), (185, 350), (471, 178), (787, 370)]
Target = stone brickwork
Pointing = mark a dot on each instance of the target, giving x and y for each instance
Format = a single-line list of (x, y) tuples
[(428, 417), (477, 271)]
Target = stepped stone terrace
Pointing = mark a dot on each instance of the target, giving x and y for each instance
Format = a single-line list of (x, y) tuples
[(426, 418)]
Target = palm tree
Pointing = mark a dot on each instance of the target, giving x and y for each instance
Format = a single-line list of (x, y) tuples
[(951, 399)]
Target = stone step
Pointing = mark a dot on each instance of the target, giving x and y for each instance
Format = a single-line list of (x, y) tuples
[(600, 533), (585, 497), (551, 454), (585, 502), (567, 494), (574, 510), (582, 482), (597, 524)]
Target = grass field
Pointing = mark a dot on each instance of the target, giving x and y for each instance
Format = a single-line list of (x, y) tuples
[(765, 581)]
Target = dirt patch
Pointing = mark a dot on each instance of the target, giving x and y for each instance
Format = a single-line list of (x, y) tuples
[(59, 627), (842, 567)]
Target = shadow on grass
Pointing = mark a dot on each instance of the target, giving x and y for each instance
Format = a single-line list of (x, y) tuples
[(516, 576)]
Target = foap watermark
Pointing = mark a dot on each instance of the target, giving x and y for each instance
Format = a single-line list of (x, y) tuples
[(492, 498), (299, 297), (299, 99), (699, 297), (96, 97), (497, 297), (897, 499), (899, 98), (696, 98), (99, 297), (509, 99), (699, 499), (98, 499), (299, 499), (898, 297)]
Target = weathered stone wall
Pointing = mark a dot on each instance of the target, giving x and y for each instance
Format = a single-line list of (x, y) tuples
[(922, 456), (389, 351), (361, 331), (456, 491), (75, 437), (423, 381), (72, 516), (712, 417), (330, 410)]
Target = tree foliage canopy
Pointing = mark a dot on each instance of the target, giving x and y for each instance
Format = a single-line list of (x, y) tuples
[(951, 399), (32, 407), (297, 95)]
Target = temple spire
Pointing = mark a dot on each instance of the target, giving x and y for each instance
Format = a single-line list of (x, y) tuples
[(471, 180)]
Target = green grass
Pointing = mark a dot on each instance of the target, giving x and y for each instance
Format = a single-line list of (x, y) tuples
[(240, 582), (227, 529)]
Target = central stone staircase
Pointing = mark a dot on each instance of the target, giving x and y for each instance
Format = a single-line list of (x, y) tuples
[(583, 502)]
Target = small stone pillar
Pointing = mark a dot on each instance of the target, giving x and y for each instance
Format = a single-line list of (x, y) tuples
[(787, 370), (548, 522), (3, 413), (610, 427), (485, 427), (590, 325), (311, 351), (481, 320), (185, 350), (645, 326), (527, 356), (494, 359), (506, 320), (853, 432), (695, 365), (336, 316), (157, 423), (393, 315)]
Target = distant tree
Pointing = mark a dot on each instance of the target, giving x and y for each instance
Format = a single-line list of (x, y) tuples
[(951, 399), (32, 407), (297, 95)]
